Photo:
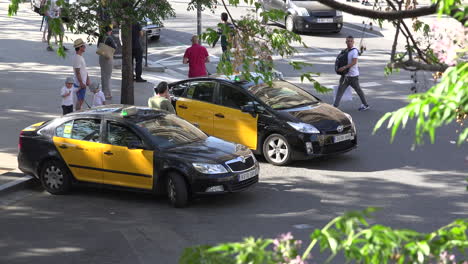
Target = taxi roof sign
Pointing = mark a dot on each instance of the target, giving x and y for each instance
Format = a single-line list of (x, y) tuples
[(129, 111)]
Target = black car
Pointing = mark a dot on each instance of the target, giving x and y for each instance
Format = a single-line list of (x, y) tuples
[(282, 121), (305, 15), (136, 149)]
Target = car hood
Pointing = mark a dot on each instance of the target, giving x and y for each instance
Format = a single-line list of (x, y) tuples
[(323, 116), (210, 150), (313, 6)]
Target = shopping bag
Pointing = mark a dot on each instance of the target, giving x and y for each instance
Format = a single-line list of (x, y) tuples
[(105, 50), (347, 95)]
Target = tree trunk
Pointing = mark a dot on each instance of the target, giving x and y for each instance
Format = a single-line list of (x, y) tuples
[(127, 96)]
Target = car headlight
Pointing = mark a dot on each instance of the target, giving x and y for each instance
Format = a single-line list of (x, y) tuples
[(302, 11), (350, 120), (339, 13), (304, 128), (208, 168)]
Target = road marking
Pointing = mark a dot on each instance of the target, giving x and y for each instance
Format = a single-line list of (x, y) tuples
[(327, 58), (183, 68), (303, 226), (403, 81), (360, 31), (370, 84), (15, 182)]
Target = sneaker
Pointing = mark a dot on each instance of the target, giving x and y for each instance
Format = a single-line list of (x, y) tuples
[(363, 107), (141, 80), (49, 48)]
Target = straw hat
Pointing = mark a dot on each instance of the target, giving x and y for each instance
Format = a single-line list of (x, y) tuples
[(78, 43)]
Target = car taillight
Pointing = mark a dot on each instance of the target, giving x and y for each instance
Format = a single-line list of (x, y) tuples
[(20, 141)]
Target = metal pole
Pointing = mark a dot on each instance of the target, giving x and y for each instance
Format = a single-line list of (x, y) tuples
[(146, 56), (199, 19)]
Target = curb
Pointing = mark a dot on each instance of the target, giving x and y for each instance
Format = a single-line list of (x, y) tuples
[(20, 183)]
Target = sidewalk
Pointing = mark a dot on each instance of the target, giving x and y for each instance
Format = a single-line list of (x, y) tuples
[(31, 81)]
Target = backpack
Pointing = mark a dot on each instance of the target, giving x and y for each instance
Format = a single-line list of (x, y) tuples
[(342, 60)]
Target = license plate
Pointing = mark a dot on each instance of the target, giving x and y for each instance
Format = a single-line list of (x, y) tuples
[(247, 175), (343, 137), (324, 20)]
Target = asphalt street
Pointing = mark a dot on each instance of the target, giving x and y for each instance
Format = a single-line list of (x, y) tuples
[(421, 188)]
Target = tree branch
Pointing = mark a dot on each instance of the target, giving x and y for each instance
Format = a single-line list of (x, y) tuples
[(411, 65), (388, 15)]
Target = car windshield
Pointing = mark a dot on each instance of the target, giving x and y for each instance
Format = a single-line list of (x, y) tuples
[(170, 130), (282, 95)]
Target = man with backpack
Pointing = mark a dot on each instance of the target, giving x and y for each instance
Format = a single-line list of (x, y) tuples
[(346, 66)]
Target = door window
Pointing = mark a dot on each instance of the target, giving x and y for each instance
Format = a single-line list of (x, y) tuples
[(86, 129), (64, 130), (202, 91), (232, 97), (179, 89), (120, 135)]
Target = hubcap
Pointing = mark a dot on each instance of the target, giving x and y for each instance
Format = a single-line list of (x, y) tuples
[(53, 177), (277, 150), (289, 23), (171, 190)]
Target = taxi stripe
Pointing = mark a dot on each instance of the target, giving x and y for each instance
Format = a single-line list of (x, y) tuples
[(113, 171)]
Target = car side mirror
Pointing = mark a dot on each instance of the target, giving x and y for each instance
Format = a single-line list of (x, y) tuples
[(136, 145), (249, 109)]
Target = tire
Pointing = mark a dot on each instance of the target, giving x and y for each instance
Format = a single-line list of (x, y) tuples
[(55, 177), (156, 38), (277, 150), (177, 191), (289, 23)]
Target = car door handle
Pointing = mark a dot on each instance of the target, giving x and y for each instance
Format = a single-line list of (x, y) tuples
[(183, 107), (219, 115), (108, 153), (63, 146)]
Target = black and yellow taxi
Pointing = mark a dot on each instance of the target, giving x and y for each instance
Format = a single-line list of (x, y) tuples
[(280, 120), (134, 148)]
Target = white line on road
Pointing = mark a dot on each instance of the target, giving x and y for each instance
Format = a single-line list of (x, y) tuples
[(360, 31), (15, 182), (370, 84), (403, 81)]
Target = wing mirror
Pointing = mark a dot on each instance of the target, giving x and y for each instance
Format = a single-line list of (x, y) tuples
[(249, 109), (136, 145)]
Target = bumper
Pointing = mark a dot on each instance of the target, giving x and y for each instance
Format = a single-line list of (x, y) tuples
[(152, 32), (322, 145), (312, 24), (230, 181)]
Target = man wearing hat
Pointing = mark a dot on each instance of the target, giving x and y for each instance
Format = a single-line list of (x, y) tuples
[(67, 96), (81, 78)]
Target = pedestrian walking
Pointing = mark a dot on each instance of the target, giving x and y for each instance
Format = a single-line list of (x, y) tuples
[(98, 97), (53, 12), (196, 56), (224, 37), (81, 77), (350, 75), (137, 51), (161, 99), (67, 96), (107, 64)]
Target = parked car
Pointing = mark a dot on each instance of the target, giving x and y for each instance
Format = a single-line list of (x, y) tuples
[(153, 31), (283, 122), (134, 149), (305, 15)]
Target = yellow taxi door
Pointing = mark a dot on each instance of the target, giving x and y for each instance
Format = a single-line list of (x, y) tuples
[(230, 123), (78, 142), (196, 105), (125, 161)]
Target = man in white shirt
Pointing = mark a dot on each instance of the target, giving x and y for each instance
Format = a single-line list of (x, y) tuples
[(81, 78), (352, 77)]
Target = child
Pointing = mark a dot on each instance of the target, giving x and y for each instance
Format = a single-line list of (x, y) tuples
[(98, 98), (67, 97)]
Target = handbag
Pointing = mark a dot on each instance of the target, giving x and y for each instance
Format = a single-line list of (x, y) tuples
[(105, 50)]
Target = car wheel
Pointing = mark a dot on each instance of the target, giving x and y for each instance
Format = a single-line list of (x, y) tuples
[(55, 177), (259, 17), (177, 191), (290, 23), (277, 150)]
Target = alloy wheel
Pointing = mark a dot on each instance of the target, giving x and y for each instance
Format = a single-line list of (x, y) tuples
[(171, 190), (290, 23), (277, 150)]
